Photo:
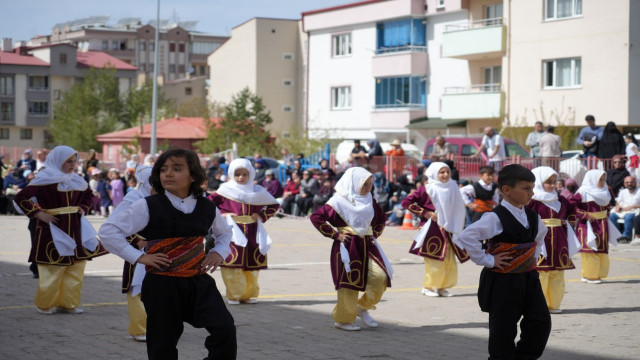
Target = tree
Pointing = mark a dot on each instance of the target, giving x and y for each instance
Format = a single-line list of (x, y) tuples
[(91, 107), (243, 122)]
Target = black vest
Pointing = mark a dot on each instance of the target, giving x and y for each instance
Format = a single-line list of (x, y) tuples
[(165, 221), (482, 193), (512, 230)]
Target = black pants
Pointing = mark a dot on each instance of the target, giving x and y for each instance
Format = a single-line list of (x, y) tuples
[(170, 301), (509, 298)]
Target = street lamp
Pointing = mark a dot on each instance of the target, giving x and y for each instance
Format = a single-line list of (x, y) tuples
[(154, 102)]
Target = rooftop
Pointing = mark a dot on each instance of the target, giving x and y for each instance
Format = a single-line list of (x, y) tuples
[(10, 58), (99, 59), (173, 128)]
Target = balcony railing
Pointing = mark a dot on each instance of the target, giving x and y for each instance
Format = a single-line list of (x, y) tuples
[(473, 89), (474, 24), (402, 48)]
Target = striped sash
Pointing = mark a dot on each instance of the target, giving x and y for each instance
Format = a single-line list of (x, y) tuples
[(522, 256), (186, 255)]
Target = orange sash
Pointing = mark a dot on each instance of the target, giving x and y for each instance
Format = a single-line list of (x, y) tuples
[(186, 255)]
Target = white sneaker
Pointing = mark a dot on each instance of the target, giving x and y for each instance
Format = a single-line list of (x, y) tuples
[(596, 281), (635, 241), (444, 293), (555, 311), (366, 318), (71, 311), (140, 338), (46, 312), (584, 280), (346, 326), (233, 302), (250, 301), (428, 292)]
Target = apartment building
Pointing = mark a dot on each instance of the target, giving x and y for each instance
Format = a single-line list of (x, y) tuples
[(32, 81), (266, 56), (182, 50)]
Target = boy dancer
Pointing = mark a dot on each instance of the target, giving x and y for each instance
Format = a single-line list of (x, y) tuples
[(509, 286), (484, 194)]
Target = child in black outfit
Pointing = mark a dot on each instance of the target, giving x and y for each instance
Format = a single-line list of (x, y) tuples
[(509, 287), (176, 288)]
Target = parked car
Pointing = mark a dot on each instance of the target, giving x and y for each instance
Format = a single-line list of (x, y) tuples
[(467, 146), (270, 163), (344, 150)]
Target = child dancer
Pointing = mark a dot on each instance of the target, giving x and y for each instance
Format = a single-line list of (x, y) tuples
[(249, 206), (560, 243), (354, 220), (593, 203), (442, 214), (61, 199), (509, 286), (484, 194), (631, 152), (176, 288), (132, 275)]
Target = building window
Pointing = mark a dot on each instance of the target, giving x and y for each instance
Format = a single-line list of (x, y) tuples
[(203, 47), (341, 98), (172, 68), (38, 82), (203, 70), (493, 15), (287, 56), (6, 111), (491, 78), (181, 47), (143, 45), (172, 47), (188, 91), (6, 85), (559, 9), (115, 44), (142, 67), (181, 69), (26, 134), (287, 82), (341, 45), (105, 44), (287, 108), (38, 108), (562, 73), (152, 46), (63, 58), (440, 4), (404, 91), (4, 133), (402, 35)]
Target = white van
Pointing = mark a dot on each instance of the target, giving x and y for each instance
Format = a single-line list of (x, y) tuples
[(344, 150)]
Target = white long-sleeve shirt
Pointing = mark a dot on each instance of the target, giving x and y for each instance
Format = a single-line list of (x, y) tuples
[(119, 226), (489, 226), (468, 192)]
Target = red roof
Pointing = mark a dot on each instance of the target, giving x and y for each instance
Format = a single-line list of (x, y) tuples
[(9, 58), (339, 7), (98, 59), (173, 128)]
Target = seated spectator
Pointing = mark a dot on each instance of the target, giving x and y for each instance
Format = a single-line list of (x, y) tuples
[(326, 170), (374, 148), (287, 157), (222, 164), (271, 184), (297, 168), (324, 193), (381, 190), (358, 152), (441, 149), (12, 184), (301, 159), (399, 190), (627, 202), (291, 190), (260, 170), (308, 188), (617, 174)]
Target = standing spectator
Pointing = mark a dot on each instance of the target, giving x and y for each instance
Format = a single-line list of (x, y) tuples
[(212, 170), (632, 153), (308, 188), (611, 143), (91, 161), (222, 164), (117, 187), (41, 156), (272, 184), (134, 162), (396, 154), (149, 160), (589, 137), (533, 139), (106, 205), (287, 157), (300, 157), (550, 147), (494, 145), (323, 195), (93, 185), (627, 202), (260, 170), (374, 148), (12, 184), (616, 175), (358, 152), (27, 162), (441, 149)]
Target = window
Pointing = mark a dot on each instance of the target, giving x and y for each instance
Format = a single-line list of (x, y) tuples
[(105, 44), (559, 9), (287, 56), (188, 91), (287, 108), (4, 133), (341, 45), (181, 69), (63, 58), (115, 44), (142, 45), (38, 108), (491, 78), (402, 35), (38, 82), (6, 111), (203, 47), (287, 82), (405, 91), (203, 70), (6, 85), (492, 14), (562, 73), (440, 4), (468, 150), (341, 98), (142, 67), (172, 47), (26, 134), (181, 47), (152, 46), (172, 68)]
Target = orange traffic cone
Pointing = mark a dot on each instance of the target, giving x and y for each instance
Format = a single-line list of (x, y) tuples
[(407, 222)]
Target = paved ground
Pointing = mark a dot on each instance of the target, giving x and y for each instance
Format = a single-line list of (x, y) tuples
[(293, 321)]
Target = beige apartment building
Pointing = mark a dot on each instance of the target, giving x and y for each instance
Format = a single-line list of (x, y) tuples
[(265, 55)]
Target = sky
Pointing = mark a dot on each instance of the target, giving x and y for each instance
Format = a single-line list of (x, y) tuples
[(24, 19)]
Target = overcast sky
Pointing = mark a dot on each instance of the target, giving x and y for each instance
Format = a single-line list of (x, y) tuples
[(23, 19)]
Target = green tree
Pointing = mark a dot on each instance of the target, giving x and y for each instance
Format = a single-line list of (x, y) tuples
[(243, 122), (91, 107)]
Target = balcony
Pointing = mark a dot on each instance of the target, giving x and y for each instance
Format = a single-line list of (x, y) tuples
[(482, 39), (484, 101), (394, 64)]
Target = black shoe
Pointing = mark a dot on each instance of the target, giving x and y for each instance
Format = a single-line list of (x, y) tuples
[(623, 240)]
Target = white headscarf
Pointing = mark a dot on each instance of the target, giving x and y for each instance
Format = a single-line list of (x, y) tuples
[(248, 193), (355, 209), (446, 198), (52, 172), (543, 173), (590, 190)]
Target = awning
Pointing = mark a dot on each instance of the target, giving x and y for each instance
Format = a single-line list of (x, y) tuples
[(435, 123)]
